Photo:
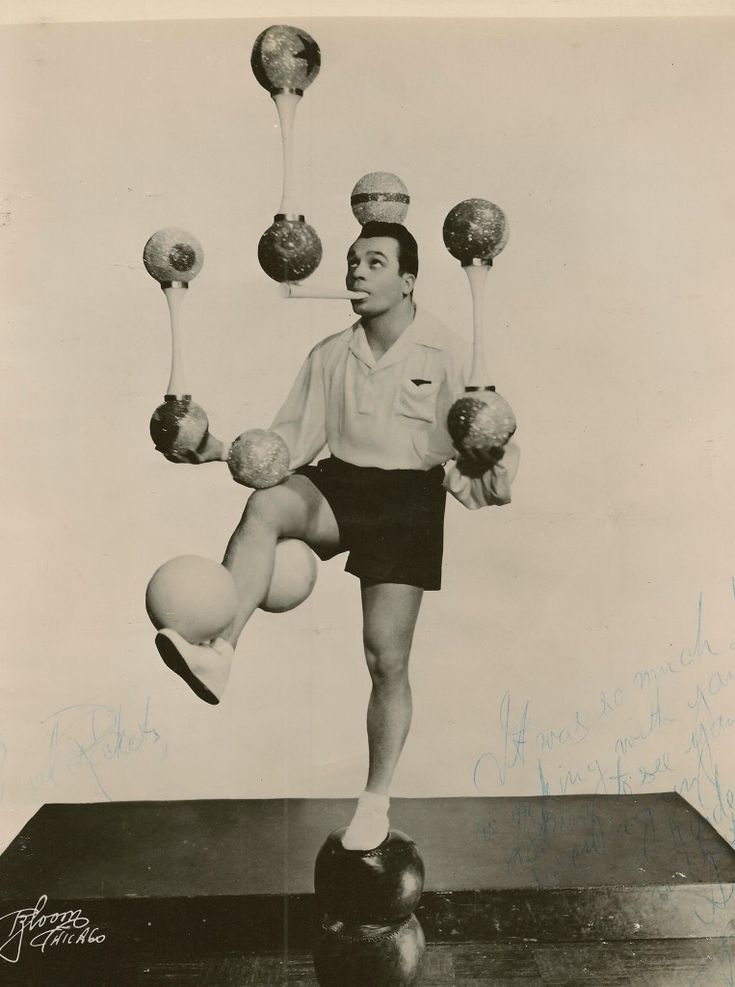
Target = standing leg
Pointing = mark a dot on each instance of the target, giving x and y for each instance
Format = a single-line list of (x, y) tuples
[(390, 611)]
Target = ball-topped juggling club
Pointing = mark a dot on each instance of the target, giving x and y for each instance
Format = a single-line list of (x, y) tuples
[(285, 60), (174, 257), (380, 197), (475, 231)]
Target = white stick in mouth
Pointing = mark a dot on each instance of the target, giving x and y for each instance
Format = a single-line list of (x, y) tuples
[(288, 289)]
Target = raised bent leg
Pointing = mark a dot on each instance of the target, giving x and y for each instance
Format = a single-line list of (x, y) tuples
[(293, 509), (390, 611)]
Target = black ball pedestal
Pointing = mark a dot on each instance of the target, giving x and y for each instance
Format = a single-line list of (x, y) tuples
[(367, 934)]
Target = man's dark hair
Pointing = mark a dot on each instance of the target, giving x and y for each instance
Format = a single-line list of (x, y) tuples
[(408, 251)]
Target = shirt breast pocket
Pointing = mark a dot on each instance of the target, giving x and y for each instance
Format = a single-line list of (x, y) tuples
[(417, 400)]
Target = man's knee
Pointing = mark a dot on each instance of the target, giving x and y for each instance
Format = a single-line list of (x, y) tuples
[(264, 508), (387, 661)]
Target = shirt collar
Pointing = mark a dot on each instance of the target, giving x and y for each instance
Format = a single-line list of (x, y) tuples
[(423, 331)]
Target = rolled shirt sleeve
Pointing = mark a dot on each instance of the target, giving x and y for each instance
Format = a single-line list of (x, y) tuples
[(301, 422)]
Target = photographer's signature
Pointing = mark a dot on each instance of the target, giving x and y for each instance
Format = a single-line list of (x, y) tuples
[(42, 929)]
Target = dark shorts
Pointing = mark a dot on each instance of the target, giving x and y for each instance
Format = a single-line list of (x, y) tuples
[(390, 521)]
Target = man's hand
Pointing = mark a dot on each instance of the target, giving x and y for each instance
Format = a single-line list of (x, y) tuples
[(475, 462), (209, 450)]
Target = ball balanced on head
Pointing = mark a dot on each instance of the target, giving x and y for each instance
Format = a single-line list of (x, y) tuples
[(380, 197), (475, 231), (174, 257), (285, 60)]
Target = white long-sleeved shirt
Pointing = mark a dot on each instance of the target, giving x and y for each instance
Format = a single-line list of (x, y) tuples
[(389, 412)]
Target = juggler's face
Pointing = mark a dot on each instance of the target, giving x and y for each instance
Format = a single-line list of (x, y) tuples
[(372, 266)]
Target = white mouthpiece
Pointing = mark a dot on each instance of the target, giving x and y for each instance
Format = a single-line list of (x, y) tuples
[(288, 290)]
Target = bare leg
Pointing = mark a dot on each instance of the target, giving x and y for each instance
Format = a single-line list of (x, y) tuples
[(293, 509), (390, 611)]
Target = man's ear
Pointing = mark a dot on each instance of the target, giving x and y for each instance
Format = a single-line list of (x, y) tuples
[(409, 280)]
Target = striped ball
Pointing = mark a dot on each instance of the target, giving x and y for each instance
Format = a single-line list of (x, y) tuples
[(379, 197)]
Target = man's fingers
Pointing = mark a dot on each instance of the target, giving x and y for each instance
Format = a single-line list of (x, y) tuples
[(172, 457), (484, 456)]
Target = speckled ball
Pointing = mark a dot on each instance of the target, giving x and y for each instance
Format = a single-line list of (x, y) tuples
[(480, 420), (285, 59), (475, 230), (173, 254), (379, 197), (259, 458), (289, 250), (178, 425)]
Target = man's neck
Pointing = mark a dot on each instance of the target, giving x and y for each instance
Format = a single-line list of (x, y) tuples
[(383, 330)]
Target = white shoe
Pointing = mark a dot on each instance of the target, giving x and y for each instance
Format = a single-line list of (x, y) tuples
[(204, 667), (370, 824)]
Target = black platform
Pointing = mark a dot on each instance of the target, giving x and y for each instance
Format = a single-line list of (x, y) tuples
[(162, 876)]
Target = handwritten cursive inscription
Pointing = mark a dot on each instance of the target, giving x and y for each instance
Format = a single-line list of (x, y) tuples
[(43, 929)]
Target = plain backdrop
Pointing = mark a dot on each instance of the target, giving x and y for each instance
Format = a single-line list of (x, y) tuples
[(583, 640)]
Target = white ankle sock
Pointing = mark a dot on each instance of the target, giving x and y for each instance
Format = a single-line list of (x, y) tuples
[(370, 825)]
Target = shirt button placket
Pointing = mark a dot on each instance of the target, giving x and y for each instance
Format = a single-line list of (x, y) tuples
[(366, 404)]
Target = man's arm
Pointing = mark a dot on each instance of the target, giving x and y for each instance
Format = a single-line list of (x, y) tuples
[(302, 420)]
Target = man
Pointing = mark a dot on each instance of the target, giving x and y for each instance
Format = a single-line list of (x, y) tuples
[(377, 395)]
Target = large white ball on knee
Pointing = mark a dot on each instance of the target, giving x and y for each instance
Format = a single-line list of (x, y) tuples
[(192, 595), (294, 576)]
